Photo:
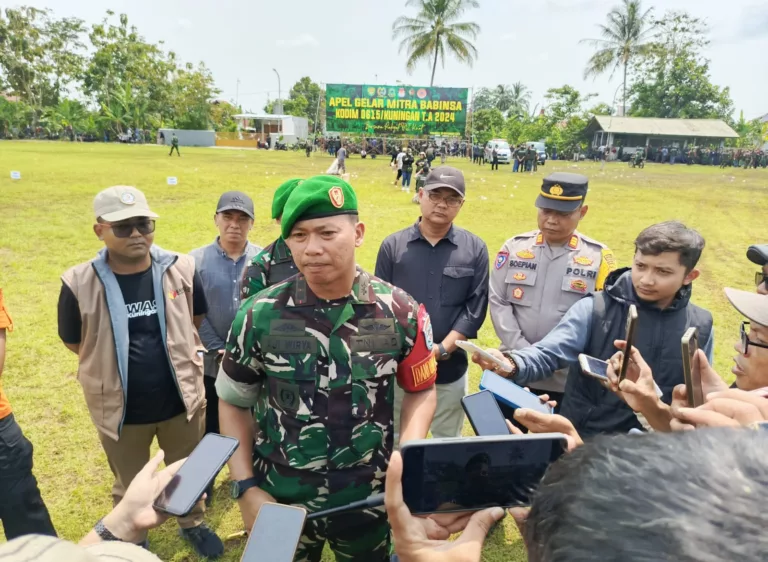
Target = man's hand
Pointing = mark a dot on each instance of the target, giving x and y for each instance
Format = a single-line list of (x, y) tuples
[(135, 514), (536, 422), (710, 380), (638, 388), (412, 535), (730, 408), (489, 366), (250, 503)]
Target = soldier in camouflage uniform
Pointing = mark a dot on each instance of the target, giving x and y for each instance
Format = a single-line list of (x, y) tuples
[(274, 263), (318, 356)]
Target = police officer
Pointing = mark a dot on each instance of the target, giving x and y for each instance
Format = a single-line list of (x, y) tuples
[(538, 275), (316, 357), (274, 263)]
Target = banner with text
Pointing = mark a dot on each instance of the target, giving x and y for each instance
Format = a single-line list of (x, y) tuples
[(395, 110)]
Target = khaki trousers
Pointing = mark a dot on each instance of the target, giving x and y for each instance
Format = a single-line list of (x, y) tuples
[(176, 436)]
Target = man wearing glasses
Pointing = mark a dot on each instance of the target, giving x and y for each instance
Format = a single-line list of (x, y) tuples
[(445, 268), (131, 315), (758, 253), (538, 275), (751, 361)]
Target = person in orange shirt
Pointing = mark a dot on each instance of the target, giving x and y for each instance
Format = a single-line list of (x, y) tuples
[(22, 510)]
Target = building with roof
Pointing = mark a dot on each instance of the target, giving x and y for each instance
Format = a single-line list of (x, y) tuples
[(633, 133)]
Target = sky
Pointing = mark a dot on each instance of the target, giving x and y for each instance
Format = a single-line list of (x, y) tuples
[(535, 42)]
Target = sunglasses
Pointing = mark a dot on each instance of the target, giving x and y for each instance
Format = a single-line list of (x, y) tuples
[(125, 229), (761, 277), (746, 342)]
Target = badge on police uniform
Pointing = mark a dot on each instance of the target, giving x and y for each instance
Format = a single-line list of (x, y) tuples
[(579, 285), (525, 255), (519, 276), (517, 293), (583, 260), (501, 259)]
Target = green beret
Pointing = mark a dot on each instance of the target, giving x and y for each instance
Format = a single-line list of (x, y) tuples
[(316, 197), (281, 196)]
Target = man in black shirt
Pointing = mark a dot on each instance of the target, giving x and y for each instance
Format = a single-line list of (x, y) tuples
[(131, 315), (445, 268)]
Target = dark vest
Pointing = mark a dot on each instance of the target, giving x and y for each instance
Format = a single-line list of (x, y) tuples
[(594, 409)]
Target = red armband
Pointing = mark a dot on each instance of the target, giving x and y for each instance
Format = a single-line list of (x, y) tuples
[(418, 371)]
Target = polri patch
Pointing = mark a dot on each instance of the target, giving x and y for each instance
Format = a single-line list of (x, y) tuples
[(518, 293), (579, 285), (501, 259), (583, 260), (525, 255), (519, 276)]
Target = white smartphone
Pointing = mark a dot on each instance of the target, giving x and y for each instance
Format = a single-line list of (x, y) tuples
[(599, 369), (470, 348)]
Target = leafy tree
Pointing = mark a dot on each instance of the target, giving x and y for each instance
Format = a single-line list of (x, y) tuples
[(487, 124), (68, 113), (313, 94), (434, 31), (483, 99), (191, 91), (565, 103), (626, 35), (673, 79), (601, 108), (510, 100), (222, 116)]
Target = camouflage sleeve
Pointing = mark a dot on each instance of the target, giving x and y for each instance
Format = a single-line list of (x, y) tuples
[(242, 368), (255, 275)]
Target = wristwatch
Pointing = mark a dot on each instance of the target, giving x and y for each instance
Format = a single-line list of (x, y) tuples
[(238, 487), (443, 353), (104, 533)]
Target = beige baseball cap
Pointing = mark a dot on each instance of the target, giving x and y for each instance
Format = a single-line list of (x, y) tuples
[(751, 305), (121, 202), (51, 549)]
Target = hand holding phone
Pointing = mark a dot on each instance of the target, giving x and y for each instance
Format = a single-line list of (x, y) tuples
[(630, 338), (471, 348), (275, 534), (511, 394), (691, 368), (484, 414), (200, 469)]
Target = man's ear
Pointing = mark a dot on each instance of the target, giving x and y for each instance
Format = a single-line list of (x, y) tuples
[(359, 234), (692, 275), (584, 210), (97, 230)]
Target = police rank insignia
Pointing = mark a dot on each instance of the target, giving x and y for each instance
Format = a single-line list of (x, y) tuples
[(583, 260), (525, 255), (501, 259), (519, 276), (336, 196), (556, 190), (517, 293), (579, 285)]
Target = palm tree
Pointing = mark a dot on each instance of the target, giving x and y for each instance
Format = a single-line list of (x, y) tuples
[(520, 98), (434, 31), (628, 33), (503, 97)]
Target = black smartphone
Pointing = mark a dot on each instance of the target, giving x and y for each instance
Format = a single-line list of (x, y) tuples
[(630, 338), (691, 368), (198, 471), (275, 534), (471, 473), (484, 414)]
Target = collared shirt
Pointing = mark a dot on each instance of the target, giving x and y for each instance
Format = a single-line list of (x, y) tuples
[(221, 283), (449, 278)]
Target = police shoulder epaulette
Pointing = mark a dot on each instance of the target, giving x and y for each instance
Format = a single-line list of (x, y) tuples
[(592, 241), (530, 234)]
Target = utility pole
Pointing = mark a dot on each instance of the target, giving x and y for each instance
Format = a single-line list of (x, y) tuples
[(237, 94), (279, 92)]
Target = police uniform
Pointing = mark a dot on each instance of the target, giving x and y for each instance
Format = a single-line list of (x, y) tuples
[(320, 376), (533, 284)]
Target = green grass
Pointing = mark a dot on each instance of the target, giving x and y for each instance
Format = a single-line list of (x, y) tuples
[(46, 223)]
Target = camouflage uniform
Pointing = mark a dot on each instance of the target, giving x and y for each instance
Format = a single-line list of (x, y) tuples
[(321, 378), (274, 264)]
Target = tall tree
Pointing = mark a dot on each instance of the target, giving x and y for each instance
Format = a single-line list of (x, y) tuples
[(520, 99), (435, 31), (626, 35)]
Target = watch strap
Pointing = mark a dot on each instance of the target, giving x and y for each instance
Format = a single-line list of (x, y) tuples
[(247, 484), (443, 352), (104, 533)]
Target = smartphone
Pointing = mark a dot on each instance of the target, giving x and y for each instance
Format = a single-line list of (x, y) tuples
[(198, 471), (630, 338), (471, 473), (691, 368), (593, 367), (470, 348), (484, 414), (275, 534), (511, 394)]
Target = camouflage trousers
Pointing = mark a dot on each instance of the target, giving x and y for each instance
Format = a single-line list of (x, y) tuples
[(361, 536)]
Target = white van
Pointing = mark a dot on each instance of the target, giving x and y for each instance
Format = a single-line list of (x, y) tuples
[(503, 151)]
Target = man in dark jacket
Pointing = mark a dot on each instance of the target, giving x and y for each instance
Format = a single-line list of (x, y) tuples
[(659, 284)]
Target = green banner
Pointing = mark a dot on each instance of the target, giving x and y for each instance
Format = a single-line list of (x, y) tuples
[(395, 110)]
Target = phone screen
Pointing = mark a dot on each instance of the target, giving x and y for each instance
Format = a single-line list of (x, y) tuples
[(511, 394), (630, 338), (275, 534), (476, 472), (202, 466), (484, 414), (594, 366)]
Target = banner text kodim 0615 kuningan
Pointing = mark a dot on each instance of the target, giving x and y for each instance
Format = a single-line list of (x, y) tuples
[(395, 110)]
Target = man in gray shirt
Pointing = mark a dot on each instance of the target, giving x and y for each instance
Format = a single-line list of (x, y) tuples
[(220, 265), (341, 156)]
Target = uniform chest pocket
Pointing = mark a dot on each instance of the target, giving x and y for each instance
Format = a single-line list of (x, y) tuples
[(520, 286), (456, 284), (573, 289), (291, 382), (373, 377)]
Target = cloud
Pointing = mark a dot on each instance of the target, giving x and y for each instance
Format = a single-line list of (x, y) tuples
[(184, 23), (754, 27), (299, 41)]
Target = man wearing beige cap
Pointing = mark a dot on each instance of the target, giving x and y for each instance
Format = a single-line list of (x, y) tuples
[(751, 362), (131, 315)]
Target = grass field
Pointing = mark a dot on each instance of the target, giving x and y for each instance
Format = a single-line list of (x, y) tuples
[(45, 227)]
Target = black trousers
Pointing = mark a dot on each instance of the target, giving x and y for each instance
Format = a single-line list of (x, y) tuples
[(172, 149), (22, 509), (495, 164), (212, 409)]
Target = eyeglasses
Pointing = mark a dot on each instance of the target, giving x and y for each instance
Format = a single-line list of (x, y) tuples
[(451, 200), (746, 342), (125, 229), (761, 277)]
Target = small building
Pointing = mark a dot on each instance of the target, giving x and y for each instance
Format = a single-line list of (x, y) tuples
[(254, 128), (634, 133)]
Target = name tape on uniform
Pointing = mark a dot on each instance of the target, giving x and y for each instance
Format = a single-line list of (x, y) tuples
[(171, 180), (15, 175)]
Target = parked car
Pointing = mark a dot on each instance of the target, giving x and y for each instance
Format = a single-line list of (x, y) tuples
[(503, 151), (541, 151)]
